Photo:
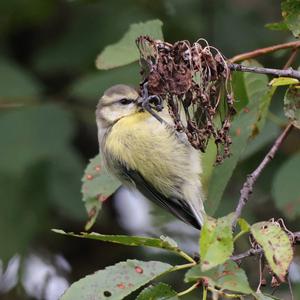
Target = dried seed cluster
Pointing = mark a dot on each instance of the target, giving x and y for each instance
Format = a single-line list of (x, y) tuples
[(194, 80)]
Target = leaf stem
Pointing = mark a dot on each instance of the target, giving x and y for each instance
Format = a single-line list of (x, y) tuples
[(241, 233), (226, 295), (186, 256), (262, 51), (204, 295), (182, 267), (190, 289)]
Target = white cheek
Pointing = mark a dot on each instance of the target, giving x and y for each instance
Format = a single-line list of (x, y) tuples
[(110, 114)]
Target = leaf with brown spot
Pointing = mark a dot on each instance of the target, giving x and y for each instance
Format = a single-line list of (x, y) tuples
[(292, 104), (115, 282), (228, 276), (216, 241), (276, 245), (97, 185)]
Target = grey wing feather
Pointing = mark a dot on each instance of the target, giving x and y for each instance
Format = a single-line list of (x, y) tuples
[(176, 206)]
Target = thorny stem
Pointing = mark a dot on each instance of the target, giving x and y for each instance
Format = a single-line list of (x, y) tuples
[(251, 179), (190, 289), (276, 72), (262, 51)]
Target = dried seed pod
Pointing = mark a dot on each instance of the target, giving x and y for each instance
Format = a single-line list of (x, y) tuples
[(194, 78)]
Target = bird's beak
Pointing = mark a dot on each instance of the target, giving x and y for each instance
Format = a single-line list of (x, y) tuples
[(139, 101)]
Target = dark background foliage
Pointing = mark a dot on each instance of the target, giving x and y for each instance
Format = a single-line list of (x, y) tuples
[(49, 87)]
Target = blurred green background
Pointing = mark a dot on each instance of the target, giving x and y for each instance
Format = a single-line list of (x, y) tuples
[(49, 87)]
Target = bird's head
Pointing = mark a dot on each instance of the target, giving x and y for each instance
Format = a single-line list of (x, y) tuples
[(117, 102)]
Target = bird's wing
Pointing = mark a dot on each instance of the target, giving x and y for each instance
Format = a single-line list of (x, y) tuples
[(175, 205)]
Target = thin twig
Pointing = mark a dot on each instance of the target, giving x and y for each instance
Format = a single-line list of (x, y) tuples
[(262, 51), (290, 287), (251, 179), (276, 72), (291, 58), (250, 252)]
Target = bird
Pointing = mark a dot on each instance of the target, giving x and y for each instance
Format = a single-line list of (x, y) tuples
[(149, 155)]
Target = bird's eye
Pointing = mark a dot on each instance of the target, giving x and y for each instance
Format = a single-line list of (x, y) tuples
[(125, 101)]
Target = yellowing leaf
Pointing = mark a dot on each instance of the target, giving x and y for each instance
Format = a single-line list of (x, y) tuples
[(283, 81), (292, 105), (216, 242), (276, 245)]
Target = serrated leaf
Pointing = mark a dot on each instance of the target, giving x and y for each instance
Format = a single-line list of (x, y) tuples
[(292, 105), (276, 245), (280, 81), (248, 121), (285, 187), (228, 276), (97, 186), (163, 242), (125, 51), (160, 291), (291, 15), (116, 282), (216, 241)]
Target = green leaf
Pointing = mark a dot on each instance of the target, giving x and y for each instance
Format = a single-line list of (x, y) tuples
[(35, 142), (280, 81), (116, 282), (216, 242), (63, 180), (291, 15), (244, 228), (228, 276), (245, 124), (125, 51), (92, 86), (267, 135), (97, 186), (17, 85), (276, 245), (244, 225), (32, 134), (285, 187), (292, 105), (261, 296), (160, 291), (277, 26), (163, 243)]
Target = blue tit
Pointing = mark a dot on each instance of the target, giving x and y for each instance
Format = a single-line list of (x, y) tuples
[(149, 155)]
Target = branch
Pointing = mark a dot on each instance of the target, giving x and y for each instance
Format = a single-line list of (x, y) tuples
[(262, 51), (251, 179), (276, 72)]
